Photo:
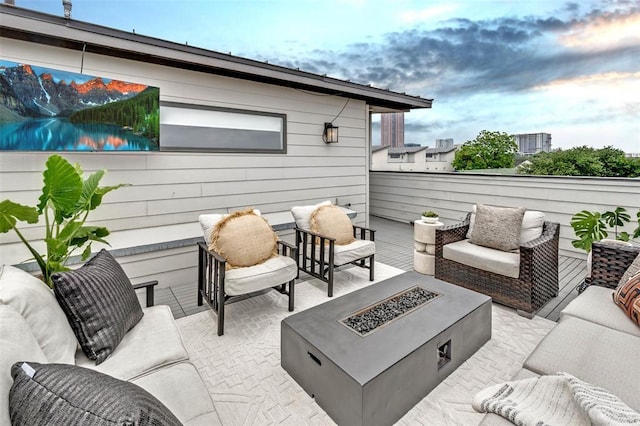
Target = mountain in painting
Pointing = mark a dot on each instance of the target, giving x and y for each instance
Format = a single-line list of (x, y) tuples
[(25, 94)]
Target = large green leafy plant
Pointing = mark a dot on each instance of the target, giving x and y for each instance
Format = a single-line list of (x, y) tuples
[(65, 203), (593, 226)]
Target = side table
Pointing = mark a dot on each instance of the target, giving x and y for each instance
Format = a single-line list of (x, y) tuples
[(424, 235)]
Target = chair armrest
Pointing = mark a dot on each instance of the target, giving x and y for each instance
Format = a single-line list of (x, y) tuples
[(609, 262), (314, 234), (365, 233), (451, 234), (149, 285), (211, 253), (541, 255), (287, 249)]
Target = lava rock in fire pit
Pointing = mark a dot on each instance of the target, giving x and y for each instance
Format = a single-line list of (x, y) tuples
[(374, 316)]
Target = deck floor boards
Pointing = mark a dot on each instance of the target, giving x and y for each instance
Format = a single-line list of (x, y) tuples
[(394, 247)]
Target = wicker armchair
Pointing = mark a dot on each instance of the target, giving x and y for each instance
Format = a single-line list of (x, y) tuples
[(608, 264), (536, 284)]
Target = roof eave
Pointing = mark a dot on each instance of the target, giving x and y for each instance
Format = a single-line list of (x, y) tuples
[(29, 25)]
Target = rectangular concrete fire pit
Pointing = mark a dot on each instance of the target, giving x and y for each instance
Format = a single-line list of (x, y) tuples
[(374, 378)]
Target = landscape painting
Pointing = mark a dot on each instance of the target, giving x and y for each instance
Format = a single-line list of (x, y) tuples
[(43, 109)]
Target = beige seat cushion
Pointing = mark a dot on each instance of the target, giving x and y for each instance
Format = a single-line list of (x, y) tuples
[(342, 255), (487, 259), (35, 301), (532, 225), (153, 343), (244, 239), (332, 222), (181, 389), (302, 214), (275, 271), (595, 305), (497, 227), (596, 354)]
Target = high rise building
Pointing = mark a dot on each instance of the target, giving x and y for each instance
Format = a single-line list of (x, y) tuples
[(532, 143), (392, 129), (444, 143)]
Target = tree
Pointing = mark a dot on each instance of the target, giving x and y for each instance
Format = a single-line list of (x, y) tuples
[(583, 161), (489, 150)]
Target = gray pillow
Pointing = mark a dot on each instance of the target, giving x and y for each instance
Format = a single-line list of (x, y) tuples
[(62, 394), (100, 304), (497, 227)]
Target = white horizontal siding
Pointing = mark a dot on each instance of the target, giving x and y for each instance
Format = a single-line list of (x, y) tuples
[(175, 188), (404, 195)]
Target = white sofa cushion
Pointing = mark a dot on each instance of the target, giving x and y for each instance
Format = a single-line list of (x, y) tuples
[(302, 214), (532, 225), (17, 343), (153, 343), (275, 271), (32, 299), (595, 305), (180, 388), (487, 259), (596, 354)]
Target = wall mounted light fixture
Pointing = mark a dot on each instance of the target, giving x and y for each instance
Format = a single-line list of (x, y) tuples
[(330, 134)]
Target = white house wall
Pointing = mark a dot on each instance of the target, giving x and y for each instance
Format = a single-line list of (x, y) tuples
[(170, 190)]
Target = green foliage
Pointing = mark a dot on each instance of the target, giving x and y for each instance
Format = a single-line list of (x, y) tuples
[(583, 161), (429, 213), (65, 203), (489, 150), (592, 226), (140, 113)]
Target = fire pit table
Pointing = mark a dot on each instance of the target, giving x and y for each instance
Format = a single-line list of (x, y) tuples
[(368, 357)]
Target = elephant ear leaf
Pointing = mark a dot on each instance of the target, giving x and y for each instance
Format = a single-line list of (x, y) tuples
[(62, 188), (11, 212)]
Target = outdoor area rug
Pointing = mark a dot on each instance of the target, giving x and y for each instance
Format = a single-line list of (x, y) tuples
[(249, 387)]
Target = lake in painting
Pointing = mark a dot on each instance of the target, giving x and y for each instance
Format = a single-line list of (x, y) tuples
[(45, 109), (58, 134)]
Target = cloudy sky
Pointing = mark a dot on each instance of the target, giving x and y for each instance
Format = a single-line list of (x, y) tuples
[(571, 69)]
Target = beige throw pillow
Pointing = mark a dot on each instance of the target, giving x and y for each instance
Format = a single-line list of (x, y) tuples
[(497, 227), (331, 221), (244, 239)]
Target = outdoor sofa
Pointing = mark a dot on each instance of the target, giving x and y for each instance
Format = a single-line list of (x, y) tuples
[(151, 355), (594, 339)]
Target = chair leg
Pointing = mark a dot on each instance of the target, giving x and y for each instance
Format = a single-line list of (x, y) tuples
[(220, 307), (371, 263), (330, 281), (292, 287)]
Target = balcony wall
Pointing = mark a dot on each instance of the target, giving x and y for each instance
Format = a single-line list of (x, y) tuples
[(402, 196)]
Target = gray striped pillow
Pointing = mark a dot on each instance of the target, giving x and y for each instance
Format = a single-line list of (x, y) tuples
[(62, 394), (100, 304)]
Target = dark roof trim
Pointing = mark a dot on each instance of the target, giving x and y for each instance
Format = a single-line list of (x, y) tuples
[(37, 27)]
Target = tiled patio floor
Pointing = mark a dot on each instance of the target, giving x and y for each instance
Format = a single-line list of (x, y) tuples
[(394, 246)]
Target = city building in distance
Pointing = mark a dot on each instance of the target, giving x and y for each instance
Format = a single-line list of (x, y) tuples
[(532, 143), (392, 129)]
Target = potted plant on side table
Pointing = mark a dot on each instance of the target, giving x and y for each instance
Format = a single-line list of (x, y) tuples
[(65, 203), (430, 216)]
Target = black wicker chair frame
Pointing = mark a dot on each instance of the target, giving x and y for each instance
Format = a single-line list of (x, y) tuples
[(321, 265), (608, 264), (538, 279), (211, 280)]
